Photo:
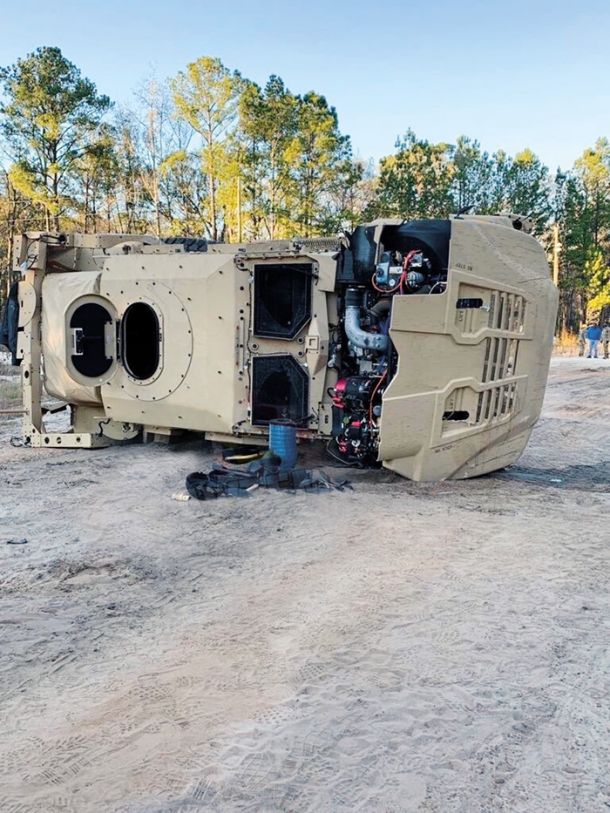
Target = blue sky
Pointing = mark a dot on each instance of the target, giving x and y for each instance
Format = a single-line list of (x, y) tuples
[(517, 74)]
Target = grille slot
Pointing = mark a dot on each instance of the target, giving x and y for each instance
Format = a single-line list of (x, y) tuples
[(500, 359), (506, 312), (496, 403)]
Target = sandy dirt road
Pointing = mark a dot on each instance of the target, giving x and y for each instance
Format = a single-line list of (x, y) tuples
[(399, 647)]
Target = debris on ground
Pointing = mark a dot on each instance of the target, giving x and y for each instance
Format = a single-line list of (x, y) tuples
[(181, 496), (226, 481)]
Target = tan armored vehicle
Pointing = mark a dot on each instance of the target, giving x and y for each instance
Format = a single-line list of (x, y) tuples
[(422, 345)]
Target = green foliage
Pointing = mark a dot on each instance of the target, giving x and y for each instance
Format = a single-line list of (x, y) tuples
[(597, 283), (294, 161), (318, 154), (435, 180), (267, 126), (206, 96), (274, 162), (49, 115), (416, 181), (582, 210), (472, 176), (526, 188), (596, 273)]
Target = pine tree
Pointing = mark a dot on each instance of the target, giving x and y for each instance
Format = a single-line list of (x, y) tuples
[(49, 116), (206, 96)]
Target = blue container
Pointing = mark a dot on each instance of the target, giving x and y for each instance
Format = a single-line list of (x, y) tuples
[(283, 442)]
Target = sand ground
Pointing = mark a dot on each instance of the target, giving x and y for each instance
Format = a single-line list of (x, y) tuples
[(399, 647)]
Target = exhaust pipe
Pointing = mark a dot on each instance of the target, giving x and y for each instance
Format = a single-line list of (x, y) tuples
[(357, 336)]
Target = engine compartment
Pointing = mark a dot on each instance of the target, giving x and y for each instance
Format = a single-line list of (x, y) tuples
[(398, 260)]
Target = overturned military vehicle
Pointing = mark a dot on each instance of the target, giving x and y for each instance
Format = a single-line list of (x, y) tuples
[(423, 346)]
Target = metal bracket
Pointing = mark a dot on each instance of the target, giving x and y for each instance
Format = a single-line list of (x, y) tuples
[(62, 440)]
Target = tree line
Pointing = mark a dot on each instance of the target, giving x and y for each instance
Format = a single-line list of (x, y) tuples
[(211, 153)]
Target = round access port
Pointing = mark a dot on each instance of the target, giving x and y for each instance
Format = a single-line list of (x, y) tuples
[(140, 341)]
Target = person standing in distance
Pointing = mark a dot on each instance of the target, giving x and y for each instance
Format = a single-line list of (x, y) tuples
[(606, 339), (594, 334), (582, 340)]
